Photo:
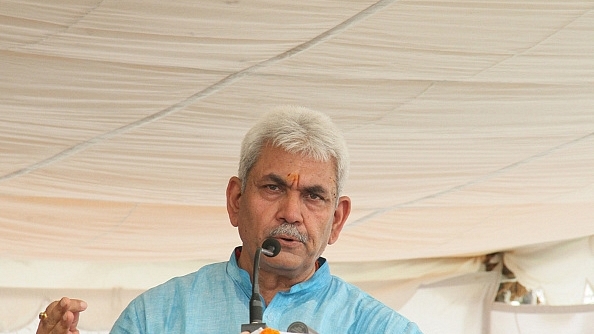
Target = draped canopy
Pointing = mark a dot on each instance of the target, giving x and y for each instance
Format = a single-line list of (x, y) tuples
[(470, 127)]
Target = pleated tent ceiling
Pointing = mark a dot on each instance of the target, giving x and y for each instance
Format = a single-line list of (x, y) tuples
[(470, 126)]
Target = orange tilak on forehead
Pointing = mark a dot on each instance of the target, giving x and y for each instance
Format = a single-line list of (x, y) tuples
[(293, 178)]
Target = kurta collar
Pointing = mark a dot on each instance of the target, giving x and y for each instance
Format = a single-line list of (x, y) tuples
[(242, 278)]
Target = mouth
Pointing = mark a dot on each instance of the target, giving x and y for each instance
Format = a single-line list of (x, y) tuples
[(289, 236), (287, 240)]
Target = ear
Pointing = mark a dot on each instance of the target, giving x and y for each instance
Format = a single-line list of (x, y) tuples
[(233, 195), (341, 213)]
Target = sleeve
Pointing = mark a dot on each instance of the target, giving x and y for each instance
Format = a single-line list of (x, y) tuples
[(379, 318), (129, 322), (412, 328)]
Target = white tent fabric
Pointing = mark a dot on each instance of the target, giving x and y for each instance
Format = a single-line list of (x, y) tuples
[(470, 126), (507, 319), (458, 305), (561, 271)]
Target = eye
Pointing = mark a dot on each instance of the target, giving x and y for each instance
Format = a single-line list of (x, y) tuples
[(272, 187), (315, 197)]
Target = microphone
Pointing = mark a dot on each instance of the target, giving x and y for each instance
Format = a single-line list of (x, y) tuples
[(299, 327), (270, 247)]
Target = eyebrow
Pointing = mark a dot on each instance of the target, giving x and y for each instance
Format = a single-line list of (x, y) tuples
[(315, 189)]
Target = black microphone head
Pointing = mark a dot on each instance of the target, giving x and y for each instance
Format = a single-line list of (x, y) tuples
[(272, 246), (299, 327)]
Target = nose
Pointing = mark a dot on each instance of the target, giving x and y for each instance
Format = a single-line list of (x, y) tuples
[(290, 210)]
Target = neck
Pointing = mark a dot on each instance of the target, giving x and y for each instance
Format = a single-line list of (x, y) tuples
[(273, 280)]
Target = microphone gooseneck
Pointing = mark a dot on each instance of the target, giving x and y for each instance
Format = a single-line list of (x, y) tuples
[(270, 247)]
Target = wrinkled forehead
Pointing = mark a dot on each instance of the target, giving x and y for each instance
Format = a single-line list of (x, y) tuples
[(297, 167)]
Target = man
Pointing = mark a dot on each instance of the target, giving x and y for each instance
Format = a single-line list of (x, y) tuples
[(292, 169)]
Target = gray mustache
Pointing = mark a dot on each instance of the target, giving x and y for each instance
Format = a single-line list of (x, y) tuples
[(290, 230)]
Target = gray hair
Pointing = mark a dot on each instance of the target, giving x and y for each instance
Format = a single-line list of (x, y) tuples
[(296, 130)]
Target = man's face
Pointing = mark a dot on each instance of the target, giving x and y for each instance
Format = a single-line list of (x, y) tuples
[(294, 191)]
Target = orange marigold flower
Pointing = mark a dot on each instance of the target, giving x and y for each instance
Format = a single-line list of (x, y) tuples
[(269, 331)]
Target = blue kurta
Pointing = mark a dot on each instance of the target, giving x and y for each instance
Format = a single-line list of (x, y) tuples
[(215, 299)]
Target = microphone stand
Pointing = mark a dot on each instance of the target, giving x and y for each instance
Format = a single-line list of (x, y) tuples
[(270, 247)]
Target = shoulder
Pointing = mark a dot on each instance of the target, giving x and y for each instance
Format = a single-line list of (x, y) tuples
[(188, 282), (179, 288), (171, 297)]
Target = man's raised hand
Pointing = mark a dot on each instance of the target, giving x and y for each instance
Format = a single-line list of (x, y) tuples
[(61, 316)]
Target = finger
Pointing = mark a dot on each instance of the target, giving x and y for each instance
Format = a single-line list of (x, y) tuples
[(64, 312), (63, 326), (76, 306), (53, 315), (72, 305), (74, 322)]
